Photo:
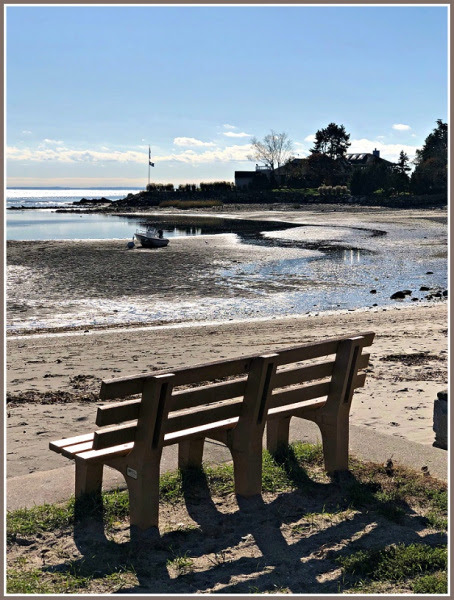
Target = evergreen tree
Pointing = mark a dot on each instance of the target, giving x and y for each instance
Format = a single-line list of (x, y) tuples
[(431, 172), (333, 141), (400, 178), (402, 165)]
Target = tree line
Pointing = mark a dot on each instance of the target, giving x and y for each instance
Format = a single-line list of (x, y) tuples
[(327, 165)]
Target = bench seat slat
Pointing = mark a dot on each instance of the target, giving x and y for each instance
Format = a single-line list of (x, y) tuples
[(203, 416), (127, 410), (208, 394), (299, 394), (73, 451), (127, 386), (200, 431), (57, 445), (106, 453), (113, 436), (303, 374), (307, 352), (295, 408)]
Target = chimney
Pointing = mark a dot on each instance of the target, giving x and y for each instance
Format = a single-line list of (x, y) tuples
[(376, 153)]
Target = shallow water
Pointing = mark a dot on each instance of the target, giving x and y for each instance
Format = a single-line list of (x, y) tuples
[(260, 269)]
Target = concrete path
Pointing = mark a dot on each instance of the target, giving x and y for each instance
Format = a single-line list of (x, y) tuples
[(57, 485)]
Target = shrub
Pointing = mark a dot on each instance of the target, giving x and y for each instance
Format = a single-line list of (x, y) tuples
[(160, 187)]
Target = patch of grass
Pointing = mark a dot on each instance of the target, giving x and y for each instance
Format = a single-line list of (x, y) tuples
[(437, 521), (48, 517), (395, 563), (367, 492), (220, 478), (437, 583), (171, 487), (390, 505), (36, 581), (181, 563)]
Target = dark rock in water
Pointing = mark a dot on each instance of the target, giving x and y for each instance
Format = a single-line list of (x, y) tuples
[(445, 293), (424, 288), (406, 292), (373, 291), (414, 299), (438, 295), (93, 201), (375, 304), (398, 296), (429, 272)]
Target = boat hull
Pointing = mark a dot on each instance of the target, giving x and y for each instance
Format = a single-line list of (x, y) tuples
[(151, 242)]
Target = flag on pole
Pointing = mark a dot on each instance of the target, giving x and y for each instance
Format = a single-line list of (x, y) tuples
[(149, 157)]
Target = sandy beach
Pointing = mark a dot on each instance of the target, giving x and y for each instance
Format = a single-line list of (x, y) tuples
[(53, 378), (53, 381)]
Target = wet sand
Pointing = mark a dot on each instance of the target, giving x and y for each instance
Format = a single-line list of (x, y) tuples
[(90, 284)]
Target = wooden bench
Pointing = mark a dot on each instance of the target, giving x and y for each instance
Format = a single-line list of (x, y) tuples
[(228, 401)]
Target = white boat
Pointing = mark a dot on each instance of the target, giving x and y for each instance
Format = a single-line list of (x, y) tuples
[(151, 237)]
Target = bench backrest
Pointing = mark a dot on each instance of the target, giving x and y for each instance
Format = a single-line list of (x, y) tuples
[(236, 392)]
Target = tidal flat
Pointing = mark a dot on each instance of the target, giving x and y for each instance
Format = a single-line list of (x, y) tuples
[(287, 262)]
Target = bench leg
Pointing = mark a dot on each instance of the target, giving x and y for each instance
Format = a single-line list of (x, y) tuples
[(335, 444), (247, 469), (88, 478), (144, 496), (190, 453), (277, 434)]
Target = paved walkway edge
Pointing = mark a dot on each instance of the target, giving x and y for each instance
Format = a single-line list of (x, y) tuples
[(57, 485)]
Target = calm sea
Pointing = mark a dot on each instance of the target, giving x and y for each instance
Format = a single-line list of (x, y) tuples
[(44, 223)]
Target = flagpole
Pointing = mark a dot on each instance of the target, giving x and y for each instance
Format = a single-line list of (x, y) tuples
[(149, 154)]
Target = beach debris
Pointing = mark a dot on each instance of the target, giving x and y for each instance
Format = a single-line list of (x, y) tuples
[(389, 467), (425, 470)]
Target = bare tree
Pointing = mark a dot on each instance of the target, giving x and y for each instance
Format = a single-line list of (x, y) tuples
[(274, 151)]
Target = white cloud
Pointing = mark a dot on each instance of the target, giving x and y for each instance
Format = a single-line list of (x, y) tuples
[(26, 132), (67, 155), (237, 135), (230, 154), (227, 126), (48, 142), (310, 138), (186, 141), (401, 127)]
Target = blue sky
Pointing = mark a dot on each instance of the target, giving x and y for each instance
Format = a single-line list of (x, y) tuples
[(90, 87)]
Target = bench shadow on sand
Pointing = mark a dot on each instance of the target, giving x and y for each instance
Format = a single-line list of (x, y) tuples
[(245, 550)]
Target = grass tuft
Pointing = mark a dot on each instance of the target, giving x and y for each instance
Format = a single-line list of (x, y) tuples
[(395, 563)]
